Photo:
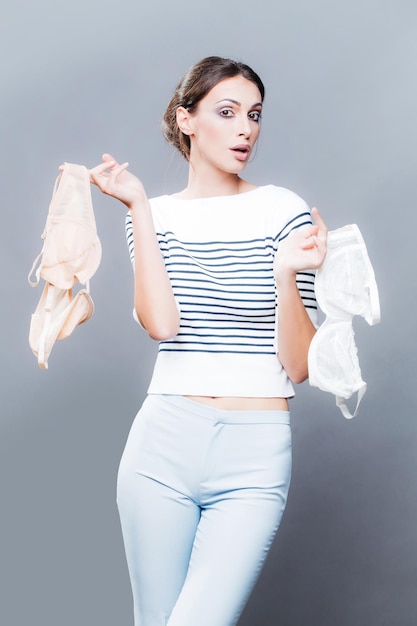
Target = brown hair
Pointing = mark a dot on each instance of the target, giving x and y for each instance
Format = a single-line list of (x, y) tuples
[(194, 86)]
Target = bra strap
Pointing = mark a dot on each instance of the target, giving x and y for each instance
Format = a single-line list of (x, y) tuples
[(341, 403), (34, 283)]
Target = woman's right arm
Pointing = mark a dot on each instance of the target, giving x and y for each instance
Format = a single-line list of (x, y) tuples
[(154, 300)]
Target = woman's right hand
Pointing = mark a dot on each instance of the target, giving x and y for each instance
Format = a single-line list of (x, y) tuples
[(113, 179)]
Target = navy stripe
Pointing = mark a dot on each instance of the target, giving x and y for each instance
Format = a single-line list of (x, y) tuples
[(224, 299), (208, 273), (223, 290), (254, 331), (161, 349), (307, 221), (216, 282), (250, 321), (239, 315), (211, 265), (224, 244), (193, 252), (255, 342), (205, 259), (245, 310)]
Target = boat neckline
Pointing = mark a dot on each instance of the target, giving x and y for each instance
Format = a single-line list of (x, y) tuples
[(222, 197)]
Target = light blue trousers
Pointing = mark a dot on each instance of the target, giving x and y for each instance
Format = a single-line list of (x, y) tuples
[(201, 493)]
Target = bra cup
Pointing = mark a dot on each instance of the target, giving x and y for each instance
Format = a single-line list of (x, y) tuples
[(72, 250), (333, 359), (72, 255), (345, 283), (57, 314)]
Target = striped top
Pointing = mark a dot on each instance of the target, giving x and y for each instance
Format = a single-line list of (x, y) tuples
[(219, 255)]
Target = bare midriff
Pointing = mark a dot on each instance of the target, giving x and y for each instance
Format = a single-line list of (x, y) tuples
[(243, 404)]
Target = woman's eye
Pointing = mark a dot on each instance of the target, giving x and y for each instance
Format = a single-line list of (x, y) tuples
[(255, 116), (226, 112)]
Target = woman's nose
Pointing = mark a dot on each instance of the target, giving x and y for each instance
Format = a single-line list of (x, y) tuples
[(244, 127)]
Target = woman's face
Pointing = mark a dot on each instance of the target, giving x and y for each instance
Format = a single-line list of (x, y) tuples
[(226, 125)]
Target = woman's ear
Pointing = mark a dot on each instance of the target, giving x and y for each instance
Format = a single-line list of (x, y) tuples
[(184, 121)]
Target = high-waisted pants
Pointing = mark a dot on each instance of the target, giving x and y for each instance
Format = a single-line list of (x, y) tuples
[(201, 492)]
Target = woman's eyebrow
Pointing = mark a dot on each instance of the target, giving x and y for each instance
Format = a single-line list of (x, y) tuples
[(257, 104)]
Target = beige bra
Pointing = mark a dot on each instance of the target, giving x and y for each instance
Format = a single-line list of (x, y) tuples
[(71, 254)]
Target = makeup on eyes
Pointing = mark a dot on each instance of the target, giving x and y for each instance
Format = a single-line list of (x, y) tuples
[(254, 113)]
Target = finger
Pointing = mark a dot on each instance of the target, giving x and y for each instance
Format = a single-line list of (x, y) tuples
[(310, 237), (119, 168), (320, 223), (310, 242), (100, 169), (309, 233), (318, 219), (98, 175), (108, 157)]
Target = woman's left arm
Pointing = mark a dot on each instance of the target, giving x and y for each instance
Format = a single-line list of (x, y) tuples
[(304, 250)]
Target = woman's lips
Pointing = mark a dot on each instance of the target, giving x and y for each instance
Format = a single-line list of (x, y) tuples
[(241, 152)]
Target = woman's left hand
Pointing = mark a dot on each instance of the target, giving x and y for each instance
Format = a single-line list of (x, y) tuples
[(305, 249)]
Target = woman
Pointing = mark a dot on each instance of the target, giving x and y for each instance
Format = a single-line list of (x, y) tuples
[(224, 281)]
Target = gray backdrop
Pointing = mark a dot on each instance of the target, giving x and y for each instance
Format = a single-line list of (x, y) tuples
[(88, 76)]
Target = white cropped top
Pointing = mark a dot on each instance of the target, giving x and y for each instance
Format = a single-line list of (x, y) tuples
[(219, 255)]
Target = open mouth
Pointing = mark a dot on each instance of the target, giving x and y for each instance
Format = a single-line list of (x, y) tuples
[(243, 149), (241, 152)]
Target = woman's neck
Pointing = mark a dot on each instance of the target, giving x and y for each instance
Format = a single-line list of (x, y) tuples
[(210, 184)]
